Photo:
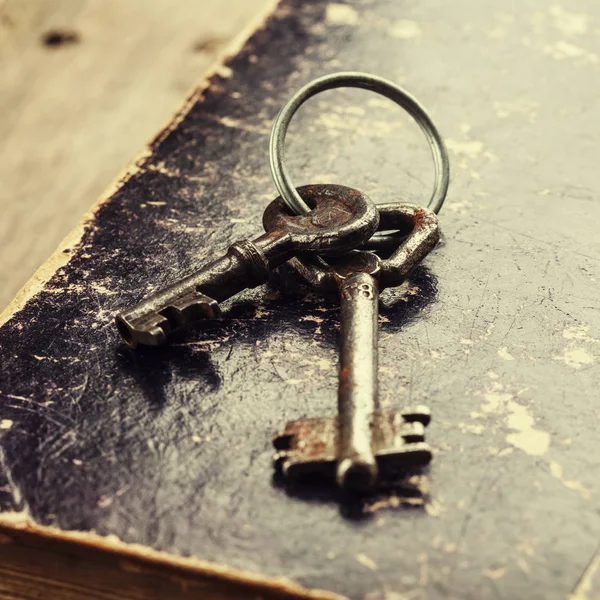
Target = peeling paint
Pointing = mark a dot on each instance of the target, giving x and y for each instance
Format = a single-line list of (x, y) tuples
[(504, 354), (434, 508), (495, 399), (312, 318), (261, 312), (534, 442), (324, 365), (524, 436), (579, 332), (525, 108), (341, 14), (562, 50), (476, 429), (470, 148), (557, 472), (575, 354), (569, 23), (496, 573), (365, 561), (405, 30), (576, 357), (461, 207)]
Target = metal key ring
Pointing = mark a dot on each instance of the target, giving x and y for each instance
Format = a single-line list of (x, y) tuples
[(386, 88)]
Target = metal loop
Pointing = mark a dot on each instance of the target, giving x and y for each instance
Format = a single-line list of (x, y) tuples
[(386, 88)]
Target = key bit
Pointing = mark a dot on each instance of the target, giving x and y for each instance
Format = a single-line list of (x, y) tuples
[(341, 219), (309, 447), (151, 325), (362, 441)]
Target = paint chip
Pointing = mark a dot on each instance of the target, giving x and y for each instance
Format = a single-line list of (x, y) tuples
[(105, 502), (562, 50), (341, 14), (405, 30), (504, 354), (470, 149), (434, 508), (495, 573), (364, 560), (557, 472), (525, 437), (576, 357), (569, 23)]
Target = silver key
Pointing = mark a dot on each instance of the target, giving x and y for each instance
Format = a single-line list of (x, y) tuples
[(362, 441), (341, 219)]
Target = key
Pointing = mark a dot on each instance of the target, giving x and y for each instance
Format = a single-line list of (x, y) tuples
[(341, 219), (362, 442)]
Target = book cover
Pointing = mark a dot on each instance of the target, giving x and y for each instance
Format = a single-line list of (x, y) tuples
[(148, 473)]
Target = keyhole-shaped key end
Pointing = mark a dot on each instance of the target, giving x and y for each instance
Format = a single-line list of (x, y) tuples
[(341, 218), (356, 475)]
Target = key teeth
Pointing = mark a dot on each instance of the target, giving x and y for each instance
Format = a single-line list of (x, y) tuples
[(415, 433), (150, 333), (283, 441), (152, 328), (306, 448), (415, 454), (280, 460), (417, 414), (191, 307)]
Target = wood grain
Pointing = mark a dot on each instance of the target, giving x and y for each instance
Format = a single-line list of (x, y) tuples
[(83, 86)]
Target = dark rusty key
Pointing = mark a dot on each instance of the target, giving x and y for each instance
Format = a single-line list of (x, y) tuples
[(341, 219), (362, 441)]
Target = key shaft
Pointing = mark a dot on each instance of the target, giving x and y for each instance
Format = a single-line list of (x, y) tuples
[(358, 382)]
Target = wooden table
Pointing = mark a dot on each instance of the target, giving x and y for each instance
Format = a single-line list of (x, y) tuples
[(84, 85)]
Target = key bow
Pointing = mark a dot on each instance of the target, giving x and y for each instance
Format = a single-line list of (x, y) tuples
[(414, 229)]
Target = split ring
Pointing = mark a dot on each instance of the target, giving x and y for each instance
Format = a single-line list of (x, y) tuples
[(381, 86)]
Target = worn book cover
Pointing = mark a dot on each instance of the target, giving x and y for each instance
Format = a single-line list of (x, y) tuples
[(148, 473)]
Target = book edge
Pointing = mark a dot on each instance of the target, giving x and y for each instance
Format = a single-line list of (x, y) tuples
[(136, 556)]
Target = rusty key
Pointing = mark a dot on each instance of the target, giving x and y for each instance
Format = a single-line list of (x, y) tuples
[(341, 219), (362, 441)]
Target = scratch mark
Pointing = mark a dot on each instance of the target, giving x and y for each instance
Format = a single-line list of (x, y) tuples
[(584, 585), (15, 491)]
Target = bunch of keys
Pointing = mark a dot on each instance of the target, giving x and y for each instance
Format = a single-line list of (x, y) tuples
[(323, 232)]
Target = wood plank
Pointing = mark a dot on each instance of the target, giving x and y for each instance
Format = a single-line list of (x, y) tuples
[(73, 114)]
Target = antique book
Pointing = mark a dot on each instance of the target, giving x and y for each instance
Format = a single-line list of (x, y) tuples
[(148, 473)]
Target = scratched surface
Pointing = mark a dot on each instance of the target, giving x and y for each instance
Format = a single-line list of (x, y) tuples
[(499, 333)]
